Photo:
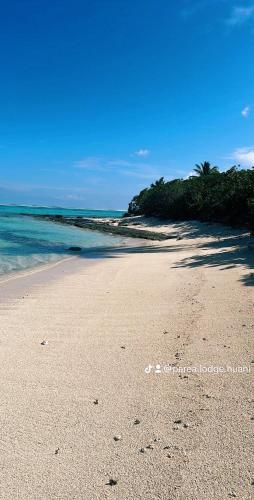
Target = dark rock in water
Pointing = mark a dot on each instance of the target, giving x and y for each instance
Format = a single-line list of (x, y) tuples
[(75, 249)]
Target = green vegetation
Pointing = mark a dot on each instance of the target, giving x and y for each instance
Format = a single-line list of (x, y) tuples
[(226, 197), (205, 169)]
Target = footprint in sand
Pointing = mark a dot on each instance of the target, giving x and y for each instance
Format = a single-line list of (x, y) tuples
[(179, 422)]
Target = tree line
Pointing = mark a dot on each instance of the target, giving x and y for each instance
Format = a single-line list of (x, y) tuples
[(209, 195)]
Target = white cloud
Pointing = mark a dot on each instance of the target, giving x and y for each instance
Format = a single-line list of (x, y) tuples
[(121, 167), (117, 165), (142, 152), (121, 163), (245, 111), (240, 15), (244, 156), (88, 163), (72, 197), (190, 174), (132, 164), (141, 175)]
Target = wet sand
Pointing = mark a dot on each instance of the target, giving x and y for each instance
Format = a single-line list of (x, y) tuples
[(182, 435)]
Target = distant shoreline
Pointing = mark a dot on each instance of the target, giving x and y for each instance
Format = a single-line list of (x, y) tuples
[(62, 208)]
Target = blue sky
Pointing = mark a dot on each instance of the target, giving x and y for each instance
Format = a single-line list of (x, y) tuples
[(100, 98)]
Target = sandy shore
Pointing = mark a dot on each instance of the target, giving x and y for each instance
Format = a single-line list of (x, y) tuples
[(185, 302)]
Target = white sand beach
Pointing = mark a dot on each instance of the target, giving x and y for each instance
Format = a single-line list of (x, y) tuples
[(186, 302)]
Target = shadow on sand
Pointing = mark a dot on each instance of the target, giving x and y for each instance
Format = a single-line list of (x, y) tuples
[(225, 253)]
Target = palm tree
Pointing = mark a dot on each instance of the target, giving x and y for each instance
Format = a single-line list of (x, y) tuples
[(205, 169)]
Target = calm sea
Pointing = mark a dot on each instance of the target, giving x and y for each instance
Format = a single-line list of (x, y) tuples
[(26, 242)]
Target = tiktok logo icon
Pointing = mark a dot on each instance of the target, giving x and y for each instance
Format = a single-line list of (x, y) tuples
[(149, 368)]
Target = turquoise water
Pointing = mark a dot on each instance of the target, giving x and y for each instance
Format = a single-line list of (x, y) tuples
[(21, 209), (26, 242)]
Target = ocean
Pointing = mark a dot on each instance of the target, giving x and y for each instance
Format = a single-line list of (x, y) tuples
[(26, 242)]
